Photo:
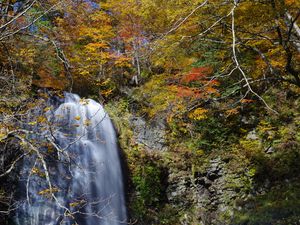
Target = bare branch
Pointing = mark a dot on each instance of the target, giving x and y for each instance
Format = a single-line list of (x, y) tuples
[(18, 16), (31, 23), (245, 78), (185, 18), (13, 164)]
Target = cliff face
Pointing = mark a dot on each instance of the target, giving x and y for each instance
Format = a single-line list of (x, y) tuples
[(198, 197), (250, 179), (9, 152)]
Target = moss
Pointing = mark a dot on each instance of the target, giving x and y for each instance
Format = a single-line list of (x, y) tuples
[(146, 179), (280, 205), (119, 113), (248, 167), (146, 171)]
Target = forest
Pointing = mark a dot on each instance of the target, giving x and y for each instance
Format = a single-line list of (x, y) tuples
[(201, 118)]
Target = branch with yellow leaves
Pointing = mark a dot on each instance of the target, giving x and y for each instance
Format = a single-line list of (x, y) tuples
[(238, 66)]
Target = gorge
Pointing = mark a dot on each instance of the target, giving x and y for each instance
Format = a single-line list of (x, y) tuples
[(203, 98)]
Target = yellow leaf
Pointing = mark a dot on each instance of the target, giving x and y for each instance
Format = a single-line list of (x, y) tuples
[(87, 122), (198, 114)]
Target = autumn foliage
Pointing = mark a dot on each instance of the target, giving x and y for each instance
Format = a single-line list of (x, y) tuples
[(197, 74)]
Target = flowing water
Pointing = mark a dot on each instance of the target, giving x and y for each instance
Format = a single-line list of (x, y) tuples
[(86, 177)]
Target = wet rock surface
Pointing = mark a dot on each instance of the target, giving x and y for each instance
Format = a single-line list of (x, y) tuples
[(9, 151)]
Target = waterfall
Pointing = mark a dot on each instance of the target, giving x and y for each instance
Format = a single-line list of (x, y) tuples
[(86, 176)]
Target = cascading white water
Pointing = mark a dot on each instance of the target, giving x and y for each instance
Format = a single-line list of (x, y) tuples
[(86, 180)]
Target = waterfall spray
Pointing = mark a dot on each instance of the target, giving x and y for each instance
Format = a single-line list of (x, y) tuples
[(86, 177)]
